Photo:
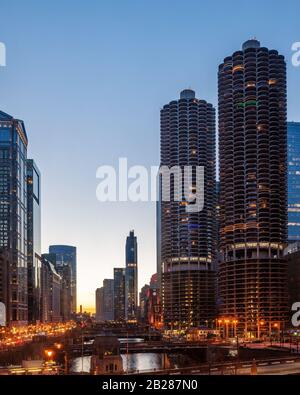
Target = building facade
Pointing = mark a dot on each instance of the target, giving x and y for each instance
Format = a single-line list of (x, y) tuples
[(67, 256), (34, 241), (292, 253), (119, 294), (99, 304), (108, 300), (131, 278), (253, 198), (13, 213), (188, 237), (293, 181), (51, 287)]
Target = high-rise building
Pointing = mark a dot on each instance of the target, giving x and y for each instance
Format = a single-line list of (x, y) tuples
[(66, 255), (188, 237), (34, 241), (13, 213), (108, 300), (292, 253), (253, 168), (99, 304), (293, 181), (105, 301), (119, 294), (144, 303), (51, 286), (131, 278)]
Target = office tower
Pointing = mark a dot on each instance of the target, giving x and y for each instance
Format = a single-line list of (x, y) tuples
[(108, 300), (99, 304), (144, 302), (253, 149), (131, 278), (66, 255), (51, 287), (154, 303), (105, 301), (119, 294), (158, 241), (13, 213), (33, 241), (188, 237), (293, 181), (64, 270), (292, 253)]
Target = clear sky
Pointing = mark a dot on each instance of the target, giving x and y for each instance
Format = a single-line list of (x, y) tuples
[(89, 78)]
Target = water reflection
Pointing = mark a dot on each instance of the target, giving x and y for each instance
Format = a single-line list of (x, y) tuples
[(137, 361), (142, 361), (81, 365)]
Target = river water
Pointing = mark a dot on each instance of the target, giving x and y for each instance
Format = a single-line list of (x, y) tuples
[(136, 361), (144, 361)]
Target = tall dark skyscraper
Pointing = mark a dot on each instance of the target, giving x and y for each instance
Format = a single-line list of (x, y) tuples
[(131, 278), (34, 241), (13, 213), (188, 239), (119, 294), (253, 198), (66, 255), (293, 181)]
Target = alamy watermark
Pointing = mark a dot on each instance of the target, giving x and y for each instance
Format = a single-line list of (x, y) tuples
[(296, 55), (184, 184), (2, 54), (296, 315)]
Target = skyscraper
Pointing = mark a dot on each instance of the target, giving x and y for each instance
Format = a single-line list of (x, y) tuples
[(51, 287), (33, 241), (119, 294), (105, 301), (293, 181), (253, 149), (99, 304), (187, 246), (131, 278), (108, 300), (66, 255), (13, 213)]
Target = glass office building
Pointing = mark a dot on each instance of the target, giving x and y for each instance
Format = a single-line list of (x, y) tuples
[(131, 279), (13, 213), (66, 255), (34, 241), (119, 294), (293, 181)]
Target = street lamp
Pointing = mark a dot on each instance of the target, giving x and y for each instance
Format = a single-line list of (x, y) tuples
[(49, 355)]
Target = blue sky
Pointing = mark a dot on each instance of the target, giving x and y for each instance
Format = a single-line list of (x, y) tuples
[(89, 78)]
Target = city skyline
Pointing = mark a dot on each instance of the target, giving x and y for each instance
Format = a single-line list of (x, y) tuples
[(91, 230)]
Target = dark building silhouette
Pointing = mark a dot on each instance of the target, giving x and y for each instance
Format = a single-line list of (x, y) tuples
[(253, 181), (67, 256), (119, 294), (13, 214), (188, 239), (131, 278), (34, 241)]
